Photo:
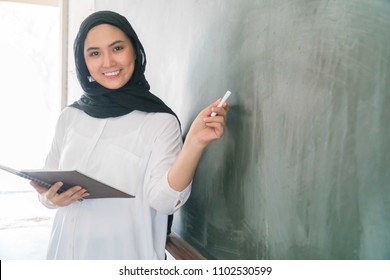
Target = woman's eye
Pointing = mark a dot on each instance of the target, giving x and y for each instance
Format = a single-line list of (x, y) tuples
[(94, 53), (118, 48)]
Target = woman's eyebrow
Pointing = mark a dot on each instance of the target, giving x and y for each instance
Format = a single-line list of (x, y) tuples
[(110, 45), (92, 49), (116, 42)]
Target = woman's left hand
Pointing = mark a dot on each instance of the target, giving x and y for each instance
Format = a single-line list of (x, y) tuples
[(206, 128)]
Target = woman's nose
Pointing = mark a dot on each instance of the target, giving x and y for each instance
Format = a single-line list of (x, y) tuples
[(108, 60)]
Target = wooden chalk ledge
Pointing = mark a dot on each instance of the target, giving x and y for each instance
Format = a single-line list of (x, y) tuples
[(180, 249)]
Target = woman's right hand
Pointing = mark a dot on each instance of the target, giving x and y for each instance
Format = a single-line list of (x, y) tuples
[(60, 199)]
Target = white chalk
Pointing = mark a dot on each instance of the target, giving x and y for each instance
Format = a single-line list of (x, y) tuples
[(224, 98)]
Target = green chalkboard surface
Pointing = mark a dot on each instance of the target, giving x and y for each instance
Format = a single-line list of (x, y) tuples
[(303, 171)]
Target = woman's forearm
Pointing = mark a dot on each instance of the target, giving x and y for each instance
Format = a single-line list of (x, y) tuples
[(182, 171)]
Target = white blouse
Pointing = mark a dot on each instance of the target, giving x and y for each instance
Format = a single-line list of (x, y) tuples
[(133, 153)]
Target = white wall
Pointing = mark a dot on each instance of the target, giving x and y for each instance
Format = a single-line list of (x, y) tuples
[(76, 12)]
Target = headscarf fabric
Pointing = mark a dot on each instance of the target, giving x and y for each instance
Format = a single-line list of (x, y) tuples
[(100, 102)]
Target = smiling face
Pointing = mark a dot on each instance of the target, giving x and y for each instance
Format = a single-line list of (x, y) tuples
[(109, 56)]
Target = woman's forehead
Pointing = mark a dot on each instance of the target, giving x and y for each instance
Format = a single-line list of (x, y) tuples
[(104, 35), (104, 30)]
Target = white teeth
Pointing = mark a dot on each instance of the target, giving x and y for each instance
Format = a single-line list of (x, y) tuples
[(111, 73)]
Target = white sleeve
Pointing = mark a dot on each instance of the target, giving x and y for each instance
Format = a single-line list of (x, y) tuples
[(53, 157), (167, 145), (47, 203)]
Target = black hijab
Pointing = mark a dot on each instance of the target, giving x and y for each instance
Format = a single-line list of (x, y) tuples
[(100, 102)]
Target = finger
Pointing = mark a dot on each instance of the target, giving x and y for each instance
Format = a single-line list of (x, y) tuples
[(216, 102), (220, 111), (76, 193), (226, 106), (215, 125), (207, 111), (80, 194), (215, 119), (54, 189)]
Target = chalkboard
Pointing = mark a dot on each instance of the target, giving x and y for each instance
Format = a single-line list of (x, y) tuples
[(303, 171)]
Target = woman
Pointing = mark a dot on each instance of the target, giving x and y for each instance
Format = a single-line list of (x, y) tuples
[(121, 134)]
